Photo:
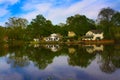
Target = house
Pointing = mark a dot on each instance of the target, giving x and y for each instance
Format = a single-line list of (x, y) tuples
[(93, 35), (36, 39), (71, 34), (53, 37)]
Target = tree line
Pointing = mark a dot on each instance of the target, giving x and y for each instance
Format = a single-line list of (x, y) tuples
[(108, 20)]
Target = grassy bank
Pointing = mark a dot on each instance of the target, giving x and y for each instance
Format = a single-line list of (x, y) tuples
[(75, 42)]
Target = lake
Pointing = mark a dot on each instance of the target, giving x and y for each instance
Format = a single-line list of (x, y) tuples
[(60, 62)]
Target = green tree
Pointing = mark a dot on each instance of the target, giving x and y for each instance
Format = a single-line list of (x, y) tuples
[(61, 29), (40, 26), (80, 24), (115, 29), (16, 33)]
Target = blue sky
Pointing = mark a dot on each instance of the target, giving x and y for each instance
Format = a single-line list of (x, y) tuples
[(55, 10)]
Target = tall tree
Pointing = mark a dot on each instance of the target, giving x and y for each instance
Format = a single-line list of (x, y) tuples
[(116, 19), (17, 22), (106, 14), (104, 19), (40, 26)]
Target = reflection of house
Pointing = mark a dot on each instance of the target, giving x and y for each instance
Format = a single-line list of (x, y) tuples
[(53, 37), (93, 35), (71, 50), (36, 45), (94, 48), (18, 61), (53, 48)]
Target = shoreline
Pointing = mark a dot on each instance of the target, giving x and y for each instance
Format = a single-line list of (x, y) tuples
[(77, 42)]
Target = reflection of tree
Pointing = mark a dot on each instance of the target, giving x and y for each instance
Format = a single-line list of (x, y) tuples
[(80, 58), (106, 62), (3, 49), (107, 66), (17, 56), (18, 61), (116, 56), (41, 56)]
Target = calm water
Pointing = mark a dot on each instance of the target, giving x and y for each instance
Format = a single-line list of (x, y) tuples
[(60, 62)]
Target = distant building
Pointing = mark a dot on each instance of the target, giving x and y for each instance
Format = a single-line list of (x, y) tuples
[(93, 35), (36, 39), (71, 34), (53, 37)]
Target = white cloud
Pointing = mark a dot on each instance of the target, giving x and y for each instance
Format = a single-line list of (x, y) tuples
[(3, 12), (59, 14), (35, 10), (1, 23), (37, 7), (3, 15), (8, 1), (88, 8)]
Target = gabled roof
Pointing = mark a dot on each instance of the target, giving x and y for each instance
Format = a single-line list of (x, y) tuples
[(96, 31)]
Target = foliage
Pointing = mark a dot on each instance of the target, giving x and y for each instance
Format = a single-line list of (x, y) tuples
[(108, 20), (40, 27), (18, 28), (80, 24), (116, 19), (17, 22), (16, 34), (106, 14), (2, 33)]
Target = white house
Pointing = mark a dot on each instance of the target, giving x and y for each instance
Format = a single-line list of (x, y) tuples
[(36, 39), (53, 37), (71, 34), (93, 35)]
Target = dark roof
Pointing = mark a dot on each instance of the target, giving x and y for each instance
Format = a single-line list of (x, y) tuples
[(96, 31)]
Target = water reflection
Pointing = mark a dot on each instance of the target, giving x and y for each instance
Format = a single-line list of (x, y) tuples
[(94, 48), (17, 61), (71, 50), (61, 62), (52, 47)]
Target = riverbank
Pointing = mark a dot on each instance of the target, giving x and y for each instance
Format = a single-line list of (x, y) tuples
[(76, 42), (98, 41)]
